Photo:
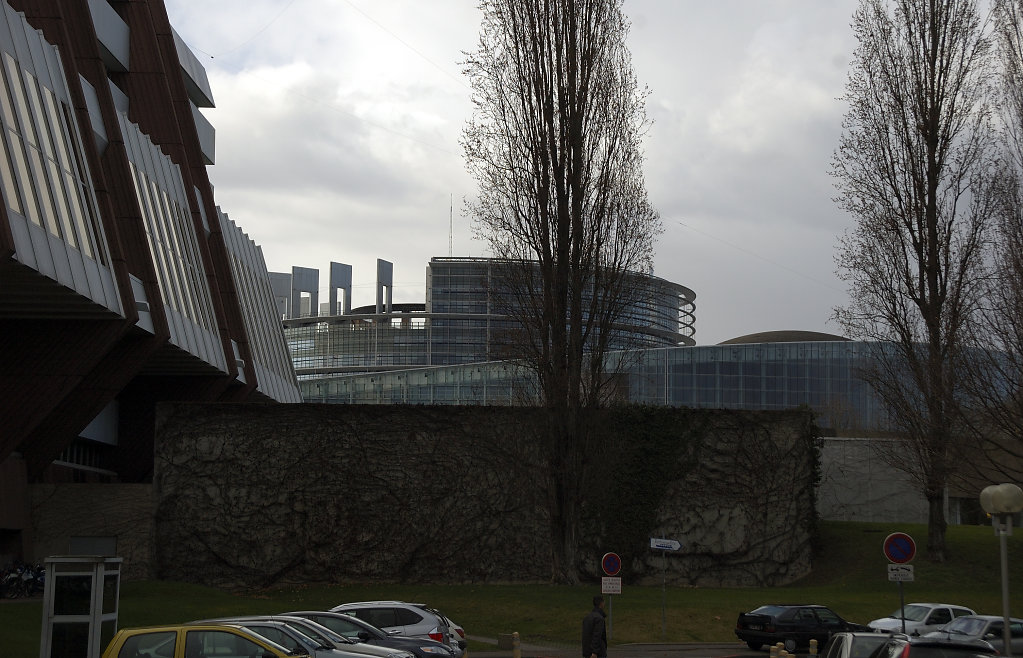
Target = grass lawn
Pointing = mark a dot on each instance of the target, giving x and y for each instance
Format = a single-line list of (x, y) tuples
[(849, 574)]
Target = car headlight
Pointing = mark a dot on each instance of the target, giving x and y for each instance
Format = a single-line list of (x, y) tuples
[(440, 651)]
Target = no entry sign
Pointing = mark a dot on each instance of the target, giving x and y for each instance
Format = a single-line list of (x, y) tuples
[(899, 547)]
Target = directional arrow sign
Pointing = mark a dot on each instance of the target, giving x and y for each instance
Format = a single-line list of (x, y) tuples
[(665, 544), (902, 573)]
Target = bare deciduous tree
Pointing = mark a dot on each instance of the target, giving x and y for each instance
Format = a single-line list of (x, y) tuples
[(914, 168), (995, 373), (555, 146)]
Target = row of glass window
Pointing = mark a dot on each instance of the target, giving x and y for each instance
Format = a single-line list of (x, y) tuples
[(44, 173), (175, 250)]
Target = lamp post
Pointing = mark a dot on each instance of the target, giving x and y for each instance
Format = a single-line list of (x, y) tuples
[(1001, 501)]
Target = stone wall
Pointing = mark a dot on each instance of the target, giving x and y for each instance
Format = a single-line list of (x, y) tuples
[(255, 495), (66, 514), (858, 484)]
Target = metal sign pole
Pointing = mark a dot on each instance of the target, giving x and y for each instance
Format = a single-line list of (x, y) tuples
[(664, 595), (664, 545), (902, 608)]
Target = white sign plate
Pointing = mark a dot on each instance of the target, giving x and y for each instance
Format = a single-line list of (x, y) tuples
[(611, 585), (665, 544), (900, 573)]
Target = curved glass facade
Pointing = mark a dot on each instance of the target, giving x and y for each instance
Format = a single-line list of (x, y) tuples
[(462, 323), (820, 375)]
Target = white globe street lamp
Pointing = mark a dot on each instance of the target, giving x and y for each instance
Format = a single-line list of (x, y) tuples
[(1001, 501)]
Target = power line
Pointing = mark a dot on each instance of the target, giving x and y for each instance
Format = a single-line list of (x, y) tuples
[(757, 256), (407, 45), (254, 34)]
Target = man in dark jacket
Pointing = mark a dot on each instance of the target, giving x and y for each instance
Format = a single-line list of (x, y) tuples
[(595, 631)]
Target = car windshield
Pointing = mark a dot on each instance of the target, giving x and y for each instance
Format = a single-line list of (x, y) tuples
[(349, 627), (322, 635), (769, 610), (966, 626), (864, 645), (912, 613), (298, 640)]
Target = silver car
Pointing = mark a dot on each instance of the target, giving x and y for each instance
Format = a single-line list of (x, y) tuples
[(920, 618), (456, 635), (855, 644), (323, 636), (401, 618), (972, 628), (292, 639)]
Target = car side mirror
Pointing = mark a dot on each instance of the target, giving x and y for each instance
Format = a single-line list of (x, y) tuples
[(363, 635)]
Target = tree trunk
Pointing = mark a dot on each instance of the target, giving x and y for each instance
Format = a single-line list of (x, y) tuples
[(936, 526)]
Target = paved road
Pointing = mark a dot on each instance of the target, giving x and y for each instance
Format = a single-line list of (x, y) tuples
[(688, 650)]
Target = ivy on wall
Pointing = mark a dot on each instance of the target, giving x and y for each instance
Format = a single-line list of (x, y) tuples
[(254, 495)]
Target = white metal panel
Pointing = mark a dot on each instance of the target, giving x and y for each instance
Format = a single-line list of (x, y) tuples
[(41, 248)]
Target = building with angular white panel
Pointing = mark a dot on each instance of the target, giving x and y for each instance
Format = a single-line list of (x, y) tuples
[(122, 284)]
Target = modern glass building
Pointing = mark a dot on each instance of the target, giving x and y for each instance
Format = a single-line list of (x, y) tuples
[(449, 351), (461, 322), (788, 370)]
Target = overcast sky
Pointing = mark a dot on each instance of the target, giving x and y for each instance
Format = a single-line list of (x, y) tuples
[(338, 124)]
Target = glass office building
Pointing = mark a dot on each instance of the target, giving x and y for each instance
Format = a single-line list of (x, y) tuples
[(449, 351), (821, 374), (463, 321)]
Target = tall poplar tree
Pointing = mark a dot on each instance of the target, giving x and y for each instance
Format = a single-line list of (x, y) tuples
[(914, 168), (995, 373), (555, 147)]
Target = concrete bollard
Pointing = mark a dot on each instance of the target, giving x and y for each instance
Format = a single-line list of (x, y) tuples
[(516, 646), (813, 647)]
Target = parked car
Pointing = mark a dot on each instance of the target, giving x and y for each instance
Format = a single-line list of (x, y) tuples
[(293, 639), (924, 647), (322, 635), (401, 618), (193, 641), (792, 624), (855, 644), (920, 618), (982, 627), (456, 635), (356, 629)]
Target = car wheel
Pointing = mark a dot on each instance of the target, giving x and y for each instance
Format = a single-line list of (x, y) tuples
[(754, 645), (790, 645)]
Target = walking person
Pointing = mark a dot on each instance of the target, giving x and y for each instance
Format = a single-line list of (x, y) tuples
[(595, 631)]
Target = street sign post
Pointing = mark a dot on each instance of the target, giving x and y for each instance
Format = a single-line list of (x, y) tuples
[(611, 563), (664, 545), (900, 548)]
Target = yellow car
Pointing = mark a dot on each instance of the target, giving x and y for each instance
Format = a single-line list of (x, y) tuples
[(193, 641)]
